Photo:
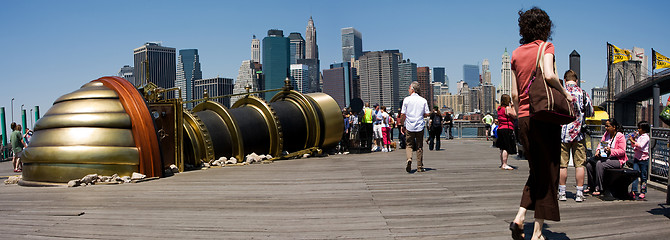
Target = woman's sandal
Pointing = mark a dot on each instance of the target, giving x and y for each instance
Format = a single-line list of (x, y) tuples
[(596, 193), (517, 232)]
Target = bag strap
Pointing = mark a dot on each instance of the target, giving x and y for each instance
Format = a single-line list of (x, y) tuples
[(538, 58), (540, 55)]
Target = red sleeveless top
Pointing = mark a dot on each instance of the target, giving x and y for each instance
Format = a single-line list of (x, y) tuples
[(504, 122)]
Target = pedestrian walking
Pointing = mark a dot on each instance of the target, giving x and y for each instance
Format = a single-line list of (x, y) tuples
[(414, 109), (434, 129), (540, 140), (448, 124)]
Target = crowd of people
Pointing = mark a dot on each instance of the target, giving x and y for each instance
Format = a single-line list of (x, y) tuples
[(548, 147)]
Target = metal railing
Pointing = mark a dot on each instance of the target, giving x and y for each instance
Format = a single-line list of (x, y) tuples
[(469, 129)]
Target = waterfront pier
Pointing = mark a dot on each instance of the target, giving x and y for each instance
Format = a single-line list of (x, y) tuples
[(462, 195)]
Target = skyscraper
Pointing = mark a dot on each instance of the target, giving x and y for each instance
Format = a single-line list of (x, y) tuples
[(248, 75), (297, 47), (312, 75), (188, 70), (276, 60), (379, 77), (299, 77), (423, 77), (471, 75), (255, 50), (159, 62), (352, 44), (506, 75), (215, 87), (407, 75), (337, 84), (127, 72), (311, 50), (438, 75), (486, 73)]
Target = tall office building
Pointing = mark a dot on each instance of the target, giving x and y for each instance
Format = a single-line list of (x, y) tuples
[(505, 75), (159, 62), (464, 91), (407, 75), (474, 97), (297, 47), (379, 77), (439, 76), (249, 75), (471, 75), (486, 73), (312, 49), (215, 87), (188, 70), (276, 60), (256, 50), (127, 72), (453, 102), (575, 65), (313, 74), (299, 77), (488, 98), (437, 90), (423, 77), (352, 44), (337, 84)]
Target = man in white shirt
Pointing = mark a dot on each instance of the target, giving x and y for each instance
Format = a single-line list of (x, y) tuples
[(414, 109)]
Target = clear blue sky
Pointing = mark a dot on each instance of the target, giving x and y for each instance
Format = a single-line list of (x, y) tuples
[(50, 48)]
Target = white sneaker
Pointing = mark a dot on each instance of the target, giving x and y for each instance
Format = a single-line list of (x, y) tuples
[(562, 197), (384, 150), (579, 197)]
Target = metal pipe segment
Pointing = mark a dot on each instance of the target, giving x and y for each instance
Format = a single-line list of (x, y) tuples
[(108, 127)]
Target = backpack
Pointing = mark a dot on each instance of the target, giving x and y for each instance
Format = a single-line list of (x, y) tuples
[(436, 121)]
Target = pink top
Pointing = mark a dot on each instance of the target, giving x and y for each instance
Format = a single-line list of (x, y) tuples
[(617, 147), (504, 122), (523, 64), (641, 147)]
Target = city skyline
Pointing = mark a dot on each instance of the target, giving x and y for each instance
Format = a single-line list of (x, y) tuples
[(73, 34)]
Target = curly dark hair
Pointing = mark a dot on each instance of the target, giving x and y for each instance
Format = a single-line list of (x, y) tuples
[(534, 24)]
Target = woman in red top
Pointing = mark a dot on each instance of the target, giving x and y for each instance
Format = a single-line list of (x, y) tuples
[(505, 141), (541, 140)]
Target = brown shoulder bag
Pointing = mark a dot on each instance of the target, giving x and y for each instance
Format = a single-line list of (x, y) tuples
[(547, 103)]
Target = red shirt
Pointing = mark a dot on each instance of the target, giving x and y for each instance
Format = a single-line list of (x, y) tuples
[(523, 64)]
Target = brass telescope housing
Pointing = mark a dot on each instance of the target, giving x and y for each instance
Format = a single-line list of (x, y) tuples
[(109, 127)]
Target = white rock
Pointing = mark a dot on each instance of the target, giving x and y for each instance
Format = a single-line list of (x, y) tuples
[(126, 179), (89, 178), (268, 156), (13, 179), (306, 155), (223, 159), (205, 165), (232, 160), (137, 176), (73, 183), (174, 168)]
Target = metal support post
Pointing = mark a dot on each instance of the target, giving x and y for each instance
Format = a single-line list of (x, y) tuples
[(656, 105)]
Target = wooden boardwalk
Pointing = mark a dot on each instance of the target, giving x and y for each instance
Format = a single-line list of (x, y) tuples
[(463, 195)]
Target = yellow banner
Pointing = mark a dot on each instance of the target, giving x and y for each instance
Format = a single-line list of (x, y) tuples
[(619, 55), (661, 61)]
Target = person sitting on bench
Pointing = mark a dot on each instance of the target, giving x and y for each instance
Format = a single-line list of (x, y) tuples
[(611, 153)]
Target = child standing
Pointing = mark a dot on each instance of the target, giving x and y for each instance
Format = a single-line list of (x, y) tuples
[(640, 159)]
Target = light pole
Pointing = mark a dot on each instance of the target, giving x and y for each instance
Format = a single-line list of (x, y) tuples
[(31, 118), (12, 110)]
